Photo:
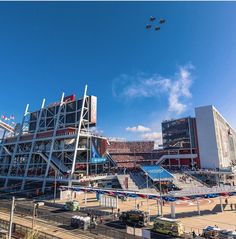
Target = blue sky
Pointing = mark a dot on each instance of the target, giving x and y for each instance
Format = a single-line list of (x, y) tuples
[(140, 77)]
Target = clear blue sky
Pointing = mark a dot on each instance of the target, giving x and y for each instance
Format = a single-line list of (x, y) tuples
[(140, 77)]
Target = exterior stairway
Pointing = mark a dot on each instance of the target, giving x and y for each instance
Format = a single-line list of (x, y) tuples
[(185, 182), (141, 183), (131, 184)]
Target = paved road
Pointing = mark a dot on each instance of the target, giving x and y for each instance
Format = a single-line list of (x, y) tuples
[(63, 217)]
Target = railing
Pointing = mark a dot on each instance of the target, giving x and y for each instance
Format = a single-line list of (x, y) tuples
[(112, 233), (195, 178), (20, 231)]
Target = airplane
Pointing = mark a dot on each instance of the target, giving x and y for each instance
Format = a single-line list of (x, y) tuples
[(157, 28), (148, 26), (152, 18), (162, 21)]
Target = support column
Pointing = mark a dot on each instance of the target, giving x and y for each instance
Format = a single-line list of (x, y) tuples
[(32, 145), (198, 207), (117, 202), (85, 197), (78, 136), (158, 207), (52, 142), (16, 145), (172, 206), (221, 204)]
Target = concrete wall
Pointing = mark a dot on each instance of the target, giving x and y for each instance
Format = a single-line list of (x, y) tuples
[(216, 138), (207, 137), (226, 141)]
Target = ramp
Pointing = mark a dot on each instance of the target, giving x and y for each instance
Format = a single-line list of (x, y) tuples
[(6, 127), (55, 163), (175, 156)]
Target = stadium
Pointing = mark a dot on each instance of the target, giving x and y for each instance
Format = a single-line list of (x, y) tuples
[(57, 144), (56, 153)]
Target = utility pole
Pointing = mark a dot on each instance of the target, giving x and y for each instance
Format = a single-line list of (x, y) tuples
[(55, 186), (33, 217), (160, 194), (11, 217)]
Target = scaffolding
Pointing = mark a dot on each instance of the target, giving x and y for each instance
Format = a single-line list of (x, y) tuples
[(53, 143)]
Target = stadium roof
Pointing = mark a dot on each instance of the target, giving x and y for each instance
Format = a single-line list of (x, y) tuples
[(157, 173)]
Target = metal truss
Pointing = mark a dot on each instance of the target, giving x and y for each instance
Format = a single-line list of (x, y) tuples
[(47, 146)]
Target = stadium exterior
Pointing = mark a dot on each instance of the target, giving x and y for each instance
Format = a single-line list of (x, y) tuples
[(55, 143), (216, 138), (204, 141)]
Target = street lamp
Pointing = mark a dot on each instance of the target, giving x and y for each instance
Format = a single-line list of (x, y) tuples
[(146, 174), (160, 189)]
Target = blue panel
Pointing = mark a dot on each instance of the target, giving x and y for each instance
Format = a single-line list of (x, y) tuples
[(98, 160), (95, 153), (156, 172)]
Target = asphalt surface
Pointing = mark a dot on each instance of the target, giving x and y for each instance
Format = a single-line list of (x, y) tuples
[(63, 218)]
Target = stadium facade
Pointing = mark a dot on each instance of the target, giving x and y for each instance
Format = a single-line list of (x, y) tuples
[(56, 144), (204, 141), (53, 143), (216, 139)]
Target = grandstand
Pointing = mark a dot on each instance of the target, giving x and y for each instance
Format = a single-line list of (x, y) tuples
[(133, 154)]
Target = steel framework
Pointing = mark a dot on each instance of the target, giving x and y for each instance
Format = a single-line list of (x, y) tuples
[(53, 143)]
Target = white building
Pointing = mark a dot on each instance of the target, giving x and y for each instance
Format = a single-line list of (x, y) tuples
[(216, 139)]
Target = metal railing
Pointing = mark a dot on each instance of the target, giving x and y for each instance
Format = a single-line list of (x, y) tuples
[(20, 231)]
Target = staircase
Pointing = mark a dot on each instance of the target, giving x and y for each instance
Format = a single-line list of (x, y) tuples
[(108, 156), (141, 182), (55, 163), (131, 184), (187, 183)]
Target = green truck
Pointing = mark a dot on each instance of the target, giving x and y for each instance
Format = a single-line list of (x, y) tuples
[(72, 206)]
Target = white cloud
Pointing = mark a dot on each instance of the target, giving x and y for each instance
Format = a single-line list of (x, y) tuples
[(97, 130), (152, 136), (177, 88), (138, 128), (116, 139)]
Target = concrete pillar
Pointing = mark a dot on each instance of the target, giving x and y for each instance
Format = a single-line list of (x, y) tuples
[(172, 206), (85, 197), (117, 202), (198, 207), (158, 207), (192, 162), (221, 205)]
